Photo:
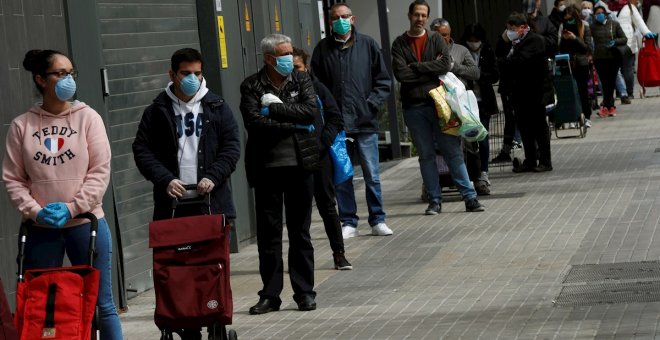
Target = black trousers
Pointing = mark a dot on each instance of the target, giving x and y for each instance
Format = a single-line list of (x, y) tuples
[(292, 188), (581, 75), (534, 131), (607, 70), (509, 120), (324, 195)]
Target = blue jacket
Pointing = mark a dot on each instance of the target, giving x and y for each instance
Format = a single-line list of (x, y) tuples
[(155, 151), (357, 77)]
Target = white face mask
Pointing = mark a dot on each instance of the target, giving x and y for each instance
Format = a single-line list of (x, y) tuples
[(512, 35), (586, 13), (474, 45), (562, 8)]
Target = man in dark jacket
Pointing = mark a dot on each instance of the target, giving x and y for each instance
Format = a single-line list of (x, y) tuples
[(418, 58), (188, 136), (351, 65), (523, 64), (279, 109)]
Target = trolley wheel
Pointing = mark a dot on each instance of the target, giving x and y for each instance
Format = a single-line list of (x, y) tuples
[(232, 335)]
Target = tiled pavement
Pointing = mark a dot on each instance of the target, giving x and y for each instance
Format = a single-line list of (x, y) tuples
[(483, 275)]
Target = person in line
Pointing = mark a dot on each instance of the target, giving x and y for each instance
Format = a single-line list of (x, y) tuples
[(524, 63), (651, 14), (352, 67), (418, 58), (464, 67), (586, 11), (606, 34), (188, 135), (556, 15), (576, 41), (328, 124), (278, 105), (474, 37), (57, 166), (630, 21)]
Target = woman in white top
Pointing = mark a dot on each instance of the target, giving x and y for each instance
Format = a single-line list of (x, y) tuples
[(630, 21)]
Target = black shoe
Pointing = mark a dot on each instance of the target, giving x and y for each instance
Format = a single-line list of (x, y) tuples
[(543, 168), (625, 100), (482, 188), (434, 208), (523, 168), (306, 303), (190, 334), (472, 205), (502, 157), (341, 263), (265, 305)]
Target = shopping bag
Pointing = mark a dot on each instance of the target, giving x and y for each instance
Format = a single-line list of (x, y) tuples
[(341, 162), (442, 109)]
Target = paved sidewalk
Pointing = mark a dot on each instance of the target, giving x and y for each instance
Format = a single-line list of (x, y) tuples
[(481, 275)]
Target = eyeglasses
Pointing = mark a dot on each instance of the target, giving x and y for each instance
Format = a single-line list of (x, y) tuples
[(63, 73)]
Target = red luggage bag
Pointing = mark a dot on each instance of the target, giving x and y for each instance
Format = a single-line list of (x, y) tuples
[(57, 303), (648, 65), (191, 271), (7, 329)]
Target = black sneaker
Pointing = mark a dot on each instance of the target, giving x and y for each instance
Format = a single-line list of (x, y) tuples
[(543, 168), (434, 208), (625, 100), (340, 261), (472, 205), (502, 157)]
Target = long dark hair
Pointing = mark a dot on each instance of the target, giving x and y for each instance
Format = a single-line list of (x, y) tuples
[(576, 15), (474, 30)]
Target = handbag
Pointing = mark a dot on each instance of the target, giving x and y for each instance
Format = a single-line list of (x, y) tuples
[(620, 51), (341, 162)]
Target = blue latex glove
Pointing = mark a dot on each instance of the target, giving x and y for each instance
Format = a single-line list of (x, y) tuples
[(651, 35), (610, 43), (309, 128), (58, 214), (264, 111), (41, 216)]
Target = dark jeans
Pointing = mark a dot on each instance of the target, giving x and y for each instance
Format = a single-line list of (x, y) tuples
[(628, 72), (291, 188), (581, 75), (607, 70), (530, 118), (484, 145), (324, 195)]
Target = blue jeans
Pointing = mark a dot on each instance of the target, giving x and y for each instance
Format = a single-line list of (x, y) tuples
[(366, 144), (45, 248), (426, 135)]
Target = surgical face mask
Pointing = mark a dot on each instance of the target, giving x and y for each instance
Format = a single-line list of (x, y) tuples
[(562, 8), (474, 45), (512, 35), (341, 26), (570, 22), (600, 17), (284, 65), (586, 13), (190, 85), (65, 88)]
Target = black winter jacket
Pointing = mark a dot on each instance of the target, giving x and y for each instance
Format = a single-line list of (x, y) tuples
[(489, 76), (418, 77), (602, 34), (524, 70), (357, 77), (298, 107), (579, 48), (155, 152), (331, 122)]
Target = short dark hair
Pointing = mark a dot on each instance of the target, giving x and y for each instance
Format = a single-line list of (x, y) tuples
[(517, 19), (185, 54), (299, 52), (339, 4), (474, 30), (38, 62), (411, 8), (557, 2)]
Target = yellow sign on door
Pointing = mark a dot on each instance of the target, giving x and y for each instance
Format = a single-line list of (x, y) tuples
[(223, 42), (248, 25), (277, 20)]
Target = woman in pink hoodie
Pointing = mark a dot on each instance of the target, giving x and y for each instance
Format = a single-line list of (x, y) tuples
[(57, 165)]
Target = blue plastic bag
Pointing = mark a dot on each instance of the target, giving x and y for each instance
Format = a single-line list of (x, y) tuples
[(341, 162)]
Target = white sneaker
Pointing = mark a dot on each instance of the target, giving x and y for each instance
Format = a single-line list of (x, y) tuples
[(348, 231), (381, 229), (587, 123)]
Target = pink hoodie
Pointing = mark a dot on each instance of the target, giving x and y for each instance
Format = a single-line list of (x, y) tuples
[(57, 158)]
